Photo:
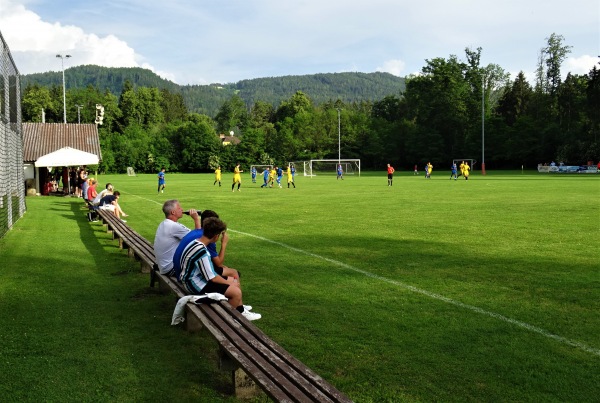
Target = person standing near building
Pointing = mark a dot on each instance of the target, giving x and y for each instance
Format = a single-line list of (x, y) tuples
[(390, 172), (217, 176), (237, 177), (161, 180)]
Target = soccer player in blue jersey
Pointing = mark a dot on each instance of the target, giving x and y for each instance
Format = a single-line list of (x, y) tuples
[(279, 173), (253, 173), (453, 170), (340, 172), (161, 180), (266, 173)]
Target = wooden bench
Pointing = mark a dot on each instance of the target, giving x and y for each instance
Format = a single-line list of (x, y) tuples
[(252, 357), (137, 246)]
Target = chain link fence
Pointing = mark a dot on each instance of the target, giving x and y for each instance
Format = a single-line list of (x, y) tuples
[(12, 184)]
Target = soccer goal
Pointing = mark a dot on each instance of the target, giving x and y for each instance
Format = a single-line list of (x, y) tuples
[(130, 171), (329, 167)]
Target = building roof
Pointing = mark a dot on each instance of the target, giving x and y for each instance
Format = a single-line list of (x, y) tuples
[(43, 138)]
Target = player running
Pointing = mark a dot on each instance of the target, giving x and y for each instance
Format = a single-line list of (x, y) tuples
[(279, 173), (466, 169), (290, 177), (217, 176), (161, 180), (266, 175), (237, 178), (453, 171)]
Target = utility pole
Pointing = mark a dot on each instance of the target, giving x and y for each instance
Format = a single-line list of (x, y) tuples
[(78, 113)]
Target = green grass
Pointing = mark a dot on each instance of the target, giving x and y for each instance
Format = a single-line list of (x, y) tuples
[(431, 290)]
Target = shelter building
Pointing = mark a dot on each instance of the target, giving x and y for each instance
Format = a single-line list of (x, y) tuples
[(55, 146)]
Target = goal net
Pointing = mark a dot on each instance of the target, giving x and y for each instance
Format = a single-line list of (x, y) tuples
[(130, 171), (329, 167)]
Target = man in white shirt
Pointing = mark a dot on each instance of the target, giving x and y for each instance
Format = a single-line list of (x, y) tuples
[(169, 233)]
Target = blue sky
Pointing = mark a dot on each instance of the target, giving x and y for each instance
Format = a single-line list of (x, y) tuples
[(202, 42)]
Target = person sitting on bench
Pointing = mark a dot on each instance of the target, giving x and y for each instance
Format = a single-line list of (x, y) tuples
[(198, 275)]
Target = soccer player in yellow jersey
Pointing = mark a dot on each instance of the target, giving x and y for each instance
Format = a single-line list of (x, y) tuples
[(237, 178), (462, 169), (466, 169), (217, 176), (272, 176), (290, 177)]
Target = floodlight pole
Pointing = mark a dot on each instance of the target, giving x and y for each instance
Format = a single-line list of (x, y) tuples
[(62, 62), (339, 138), (483, 125)]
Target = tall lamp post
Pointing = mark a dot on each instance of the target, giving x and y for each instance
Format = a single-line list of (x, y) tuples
[(62, 62), (483, 125), (339, 138)]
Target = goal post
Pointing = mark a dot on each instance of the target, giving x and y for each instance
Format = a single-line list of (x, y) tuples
[(329, 166)]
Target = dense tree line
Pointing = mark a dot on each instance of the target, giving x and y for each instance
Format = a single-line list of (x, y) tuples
[(436, 118)]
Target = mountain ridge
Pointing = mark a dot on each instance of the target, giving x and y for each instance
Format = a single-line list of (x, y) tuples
[(348, 87)]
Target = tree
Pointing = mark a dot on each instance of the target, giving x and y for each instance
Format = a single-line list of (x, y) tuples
[(35, 99), (232, 116), (555, 53)]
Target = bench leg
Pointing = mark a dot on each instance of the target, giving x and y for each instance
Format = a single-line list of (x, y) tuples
[(192, 323), (244, 386), (145, 268)]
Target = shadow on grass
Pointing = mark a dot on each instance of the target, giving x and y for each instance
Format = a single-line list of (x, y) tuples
[(101, 331)]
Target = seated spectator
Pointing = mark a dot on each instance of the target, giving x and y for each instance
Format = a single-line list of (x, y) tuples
[(217, 258), (198, 275), (91, 193), (109, 190), (169, 233), (111, 202)]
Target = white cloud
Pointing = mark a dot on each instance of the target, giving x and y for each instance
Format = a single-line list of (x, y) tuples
[(395, 67), (581, 65), (34, 43)]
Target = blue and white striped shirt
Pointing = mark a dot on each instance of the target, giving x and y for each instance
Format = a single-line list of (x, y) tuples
[(196, 267)]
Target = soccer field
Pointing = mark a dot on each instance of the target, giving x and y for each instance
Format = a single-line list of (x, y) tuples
[(482, 290)]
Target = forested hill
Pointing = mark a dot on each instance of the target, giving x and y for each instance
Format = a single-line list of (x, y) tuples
[(207, 99)]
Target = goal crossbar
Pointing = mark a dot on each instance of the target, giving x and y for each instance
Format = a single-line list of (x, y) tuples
[(349, 165)]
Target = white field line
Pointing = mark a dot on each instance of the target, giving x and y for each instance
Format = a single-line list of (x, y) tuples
[(535, 329)]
